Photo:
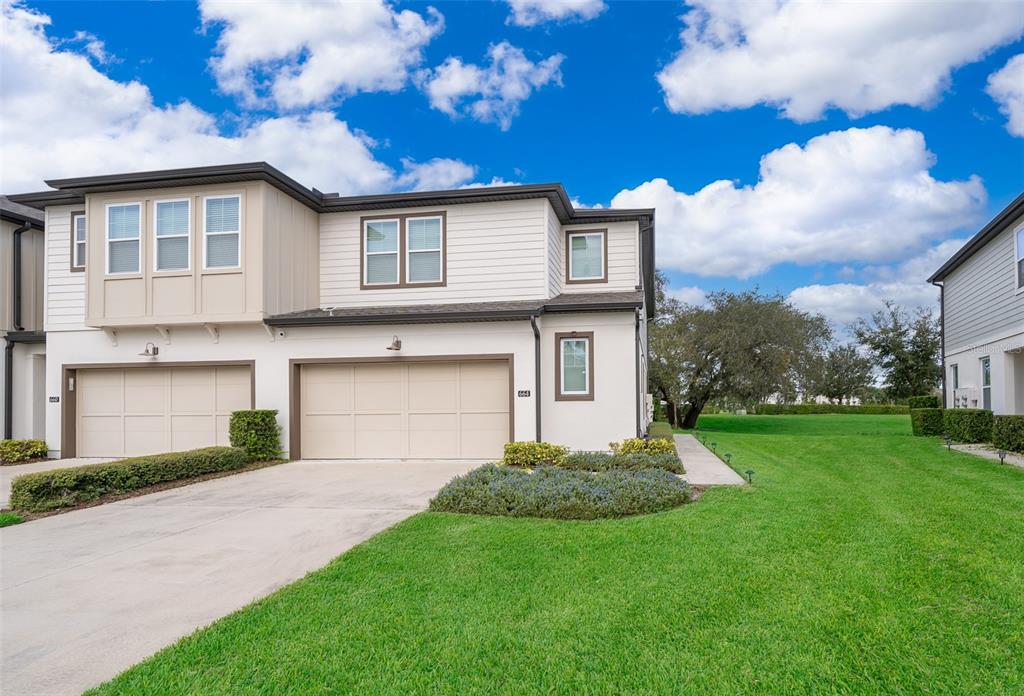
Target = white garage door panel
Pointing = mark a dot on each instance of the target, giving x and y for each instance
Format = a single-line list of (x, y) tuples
[(133, 411), (405, 410)]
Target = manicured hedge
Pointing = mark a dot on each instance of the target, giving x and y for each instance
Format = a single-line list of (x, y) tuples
[(15, 451), (1008, 433), (57, 488), (560, 493), (531, 454), (809, 409), (660, 429), (928, 401), (257, 432), (638, 445), (602, 461), (968, 424), (926, 421)]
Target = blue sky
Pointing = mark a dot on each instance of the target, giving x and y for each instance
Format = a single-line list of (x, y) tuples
[(914, 150)]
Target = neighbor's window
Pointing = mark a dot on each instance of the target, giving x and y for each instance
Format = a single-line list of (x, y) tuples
[(78, 241), (1019, 246), (423, 250), (575, 360), (380, 250), (585, 254), (222, 231), (954, 375), (986, 383), (124, 238), (172, 227)]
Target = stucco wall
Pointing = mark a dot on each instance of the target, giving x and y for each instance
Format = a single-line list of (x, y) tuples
[(1007, 374)]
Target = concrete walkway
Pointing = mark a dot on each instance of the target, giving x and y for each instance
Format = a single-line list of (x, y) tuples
[(9, 472), (990, 452), (87, 594), (702, 467)]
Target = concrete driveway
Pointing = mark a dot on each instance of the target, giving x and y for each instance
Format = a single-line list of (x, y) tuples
[(87, 594)]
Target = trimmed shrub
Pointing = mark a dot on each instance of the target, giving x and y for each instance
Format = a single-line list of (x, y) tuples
[(1008, 433), (257, 432), (929, 401), (15, 451), (660, 429), (638, 445), (968, 425), (58, 488), (926, 421), (602, 461), (531, 454), (810, 409), (560, 493)]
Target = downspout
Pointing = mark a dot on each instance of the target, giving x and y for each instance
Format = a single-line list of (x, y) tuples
[(536, 371), (942, 337), (16, 322), (16, 277), (8, 389), (639, 392)]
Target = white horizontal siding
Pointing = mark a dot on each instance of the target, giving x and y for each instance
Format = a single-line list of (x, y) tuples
[(623, 258), (981, 300), (65, 291), (495, 251)]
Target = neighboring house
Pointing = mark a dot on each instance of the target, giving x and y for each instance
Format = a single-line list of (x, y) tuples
[(23, 365), (983, 317), (412, 325)]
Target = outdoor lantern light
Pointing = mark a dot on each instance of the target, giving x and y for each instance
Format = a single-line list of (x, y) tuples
[(750, 475), (1002, 456), (151, 351), (949, 442), (396, 344)]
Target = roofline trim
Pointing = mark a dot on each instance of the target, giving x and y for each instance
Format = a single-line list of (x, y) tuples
[(995, 227)]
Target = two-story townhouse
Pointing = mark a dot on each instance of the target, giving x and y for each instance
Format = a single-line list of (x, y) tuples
[(982, 295), (410, 325), (23, 363)]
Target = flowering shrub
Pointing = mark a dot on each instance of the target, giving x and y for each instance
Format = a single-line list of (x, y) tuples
[(638, 445), (531, 454)]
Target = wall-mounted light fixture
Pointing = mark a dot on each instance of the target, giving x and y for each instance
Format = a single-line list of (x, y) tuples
[(396, 343), (151, 351)]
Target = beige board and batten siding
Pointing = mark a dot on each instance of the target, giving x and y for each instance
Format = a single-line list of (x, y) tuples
[(623, 255), (32, 254), (65, 290), (291, 252), (981, 299), (494, 251)]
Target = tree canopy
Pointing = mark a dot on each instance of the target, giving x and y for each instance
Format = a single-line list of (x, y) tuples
[(905, 348)]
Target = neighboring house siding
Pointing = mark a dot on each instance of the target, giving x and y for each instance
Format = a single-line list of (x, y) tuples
[(495, 251), (291, 250), (32, 251), (623, 257), (981, 301), (556, 253), (65, 291)]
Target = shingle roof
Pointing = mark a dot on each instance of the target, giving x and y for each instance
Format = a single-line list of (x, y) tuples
[(16, 212)]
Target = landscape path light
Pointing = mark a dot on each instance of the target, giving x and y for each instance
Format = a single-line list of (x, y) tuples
[(1002, 456), (949, 442)]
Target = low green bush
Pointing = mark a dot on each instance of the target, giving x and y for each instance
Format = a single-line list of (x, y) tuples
[(660, 429), (926, 421), (58, 488), (1008, 433), (811, 409), (968, 424), (602, 461), (15, 451), (638, 445), (531, 454), (560, 493), (927, 401), (257, 432)]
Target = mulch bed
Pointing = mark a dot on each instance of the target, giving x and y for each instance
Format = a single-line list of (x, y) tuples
[(27, 461)]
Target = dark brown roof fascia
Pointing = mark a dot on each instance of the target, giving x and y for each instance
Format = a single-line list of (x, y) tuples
[(989, 232), (25, 336), (40, 199)]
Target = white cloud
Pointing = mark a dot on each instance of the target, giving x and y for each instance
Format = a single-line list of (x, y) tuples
[(94, 47), (690, 295), (529, 13), (436, 174), (805, 57), (855, 195), (1006, 86), (306, 52), (60, 117), (492, 93)]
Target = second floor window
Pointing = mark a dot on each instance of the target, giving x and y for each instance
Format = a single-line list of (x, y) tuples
[(124, 238), (586, 257), (172, 225), (78, 241), (423, 250), (381, 249), (222, 231), (403, 251), (1019, 247)]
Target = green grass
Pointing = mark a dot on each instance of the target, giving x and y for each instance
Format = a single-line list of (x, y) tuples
[(9, 518), (862, 560)]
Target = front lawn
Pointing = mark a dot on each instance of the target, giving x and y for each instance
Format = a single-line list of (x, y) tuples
[(861, 560)]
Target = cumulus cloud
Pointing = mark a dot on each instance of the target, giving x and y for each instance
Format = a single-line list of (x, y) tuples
[(438, 173), (61, 117), (859, 195), (1006, 86), (690, 295), (806, 57), (529, 13), (307, 52), (491, 93)]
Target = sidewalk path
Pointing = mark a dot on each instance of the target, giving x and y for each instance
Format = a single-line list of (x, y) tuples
[(702, 467)]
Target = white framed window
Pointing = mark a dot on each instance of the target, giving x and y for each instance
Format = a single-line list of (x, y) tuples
[(986, 382), (124, 238), (222, 231), (423, 250), (78, 241), (954, 375), (172, 229), (586, 256), (574, 360), (380, 252), (1018, 255)]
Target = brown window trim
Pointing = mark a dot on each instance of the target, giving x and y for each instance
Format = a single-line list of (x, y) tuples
[(604, 267), (74, 214), (589, 396), (402, 234)]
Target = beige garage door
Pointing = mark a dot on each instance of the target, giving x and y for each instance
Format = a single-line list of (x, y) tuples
[(132, 411), (414, 409)]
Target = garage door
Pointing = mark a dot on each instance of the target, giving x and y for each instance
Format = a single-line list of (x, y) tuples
[(132, 411), (405, 410)]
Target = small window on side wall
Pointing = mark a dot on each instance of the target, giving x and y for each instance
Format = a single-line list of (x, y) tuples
[(586, 256), (222, 232), (574, 366), (78, 242), (1019, 251), (124, 238)]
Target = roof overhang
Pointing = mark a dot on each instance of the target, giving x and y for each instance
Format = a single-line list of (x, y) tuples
[(995, 227)]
